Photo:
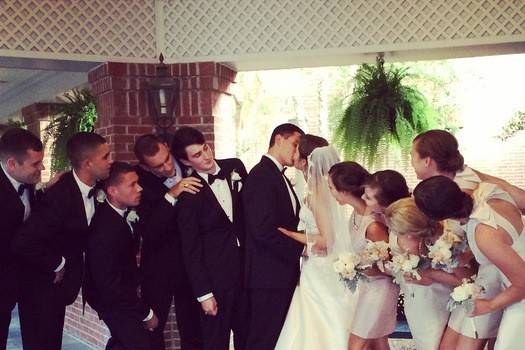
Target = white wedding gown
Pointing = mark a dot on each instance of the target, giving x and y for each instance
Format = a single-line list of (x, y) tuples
[(321, 310)]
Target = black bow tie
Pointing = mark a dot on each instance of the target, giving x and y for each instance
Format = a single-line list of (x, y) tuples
[(220, 176), (92, 192), (284, 170), (22, 188)]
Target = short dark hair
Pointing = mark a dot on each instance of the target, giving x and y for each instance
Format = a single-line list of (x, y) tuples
[(442, 147), (348, 177), (82, 145), (441, 198), (184, 137), (308, 143), (146, 146), (15, 143), (390, 186), (116, 171), (285, 130)]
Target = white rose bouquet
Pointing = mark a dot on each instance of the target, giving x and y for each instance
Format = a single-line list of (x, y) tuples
[(465, 295), (445, 252), (350, 269), (375, 253), (404, 264)]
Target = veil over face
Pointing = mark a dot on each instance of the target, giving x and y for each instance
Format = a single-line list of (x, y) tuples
[(329, 215)]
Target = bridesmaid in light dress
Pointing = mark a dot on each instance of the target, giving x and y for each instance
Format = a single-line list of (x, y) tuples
[(410, 232), (494, 229), (376, 311)]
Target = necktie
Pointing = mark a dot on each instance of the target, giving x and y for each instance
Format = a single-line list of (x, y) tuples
[(219, 176), (22, 188)]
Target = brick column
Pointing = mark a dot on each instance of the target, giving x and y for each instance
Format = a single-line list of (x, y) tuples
[(36, 116), (123, 115)]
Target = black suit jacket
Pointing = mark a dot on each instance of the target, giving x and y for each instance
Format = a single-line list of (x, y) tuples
[(272, 259), (209, 239), (56, 228), (112, 274), (161, 257), (12, 212)]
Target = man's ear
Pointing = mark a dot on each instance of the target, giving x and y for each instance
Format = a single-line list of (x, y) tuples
[(11, 164), (112, 191), (185, 162)]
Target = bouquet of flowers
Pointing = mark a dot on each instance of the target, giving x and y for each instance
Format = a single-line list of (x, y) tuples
[(351, 269), (403, 264), (444, 253), (375, 253), (464, 295)]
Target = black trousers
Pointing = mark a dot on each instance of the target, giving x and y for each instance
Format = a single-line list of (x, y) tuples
[(8, 298), (187, 310), (230, 317), (41, 317), (268, 309), (127, 332)]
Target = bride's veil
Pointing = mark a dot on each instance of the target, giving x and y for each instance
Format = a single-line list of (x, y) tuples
[(329, 215)]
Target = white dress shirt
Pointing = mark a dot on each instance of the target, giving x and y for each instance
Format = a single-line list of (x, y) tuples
[(24, 198), (122, 212), (290, 191), (89, 203)]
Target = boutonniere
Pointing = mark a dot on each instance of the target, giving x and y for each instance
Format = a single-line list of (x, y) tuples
[(132, 216), (100, 196), (236, 178)]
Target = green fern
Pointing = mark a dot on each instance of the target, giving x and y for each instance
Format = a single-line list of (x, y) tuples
[(382, 112), (78, 114)]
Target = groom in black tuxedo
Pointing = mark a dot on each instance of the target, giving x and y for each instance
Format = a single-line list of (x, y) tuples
[(212, 232), (164, 276), (272, 261), (51, 243), (21, 155), (112, 274)]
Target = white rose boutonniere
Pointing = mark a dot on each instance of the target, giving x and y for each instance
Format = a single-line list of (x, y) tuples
[(100, 196), (236, 178), (132, 216)]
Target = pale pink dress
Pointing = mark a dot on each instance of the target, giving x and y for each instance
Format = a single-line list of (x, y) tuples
[(376, 309)]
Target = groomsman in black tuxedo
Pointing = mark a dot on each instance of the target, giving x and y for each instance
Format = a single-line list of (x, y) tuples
[(113, 277), (51, 243), (164, 275), (212, 231), (272, 260), (21, 155)]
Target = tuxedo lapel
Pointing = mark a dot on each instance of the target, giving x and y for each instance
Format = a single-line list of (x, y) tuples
[(282, 184), (12, 196), (77, 201)]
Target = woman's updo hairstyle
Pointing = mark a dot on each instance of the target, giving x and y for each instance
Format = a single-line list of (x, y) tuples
[(403, 216), (348, 177), (390, 186), (442, 147), (441, 198)]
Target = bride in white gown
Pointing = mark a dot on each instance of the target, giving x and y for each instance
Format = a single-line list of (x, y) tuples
[(321, 310)]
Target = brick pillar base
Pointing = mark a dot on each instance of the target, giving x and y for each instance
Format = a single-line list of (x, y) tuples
[(124, 114)]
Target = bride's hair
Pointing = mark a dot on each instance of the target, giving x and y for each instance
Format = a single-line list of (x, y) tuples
[(403, 217), (348, 177), (308, 143)]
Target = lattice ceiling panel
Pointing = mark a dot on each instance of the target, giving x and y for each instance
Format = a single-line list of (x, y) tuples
[(117, 28), (197, 28)]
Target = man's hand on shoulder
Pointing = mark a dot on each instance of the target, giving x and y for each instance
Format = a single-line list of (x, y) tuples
[(189, 184)]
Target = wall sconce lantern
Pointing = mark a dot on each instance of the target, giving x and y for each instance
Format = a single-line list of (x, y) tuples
[(163, 91)]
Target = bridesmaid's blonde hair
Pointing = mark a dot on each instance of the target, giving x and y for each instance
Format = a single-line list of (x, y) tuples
[(403, 216)]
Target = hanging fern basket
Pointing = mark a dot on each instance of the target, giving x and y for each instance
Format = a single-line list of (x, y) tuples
[(382, 112)]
